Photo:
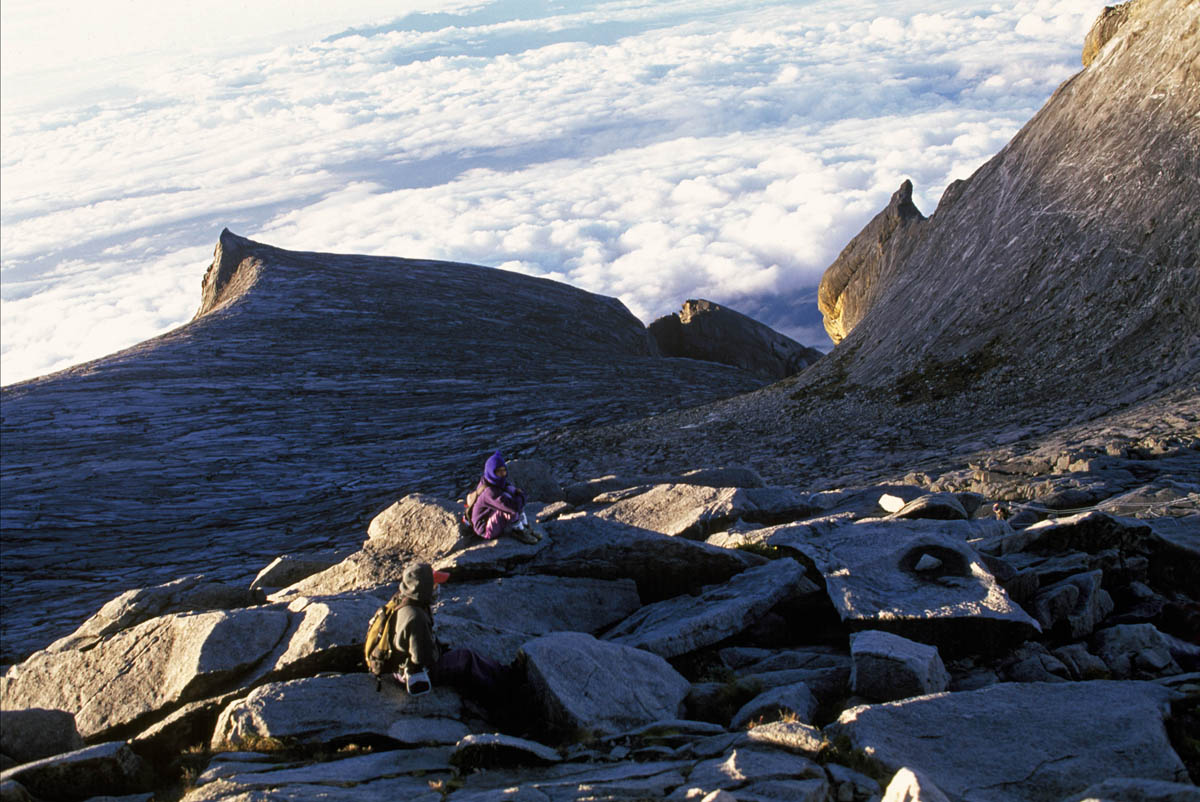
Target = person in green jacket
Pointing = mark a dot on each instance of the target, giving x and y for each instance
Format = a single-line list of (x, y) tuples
[(423, 661)]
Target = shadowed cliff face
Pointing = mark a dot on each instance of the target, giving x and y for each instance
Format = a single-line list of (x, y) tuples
[(310, 391), (1074, 252)]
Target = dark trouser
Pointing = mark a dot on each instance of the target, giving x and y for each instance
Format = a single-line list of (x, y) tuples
[(478, 676)]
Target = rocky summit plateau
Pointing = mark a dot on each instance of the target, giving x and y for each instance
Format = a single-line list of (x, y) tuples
[(957, 558)]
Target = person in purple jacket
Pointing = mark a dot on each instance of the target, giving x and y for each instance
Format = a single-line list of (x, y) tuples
[(497, 506)]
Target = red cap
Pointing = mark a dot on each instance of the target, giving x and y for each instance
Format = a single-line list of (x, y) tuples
[(439, 577)]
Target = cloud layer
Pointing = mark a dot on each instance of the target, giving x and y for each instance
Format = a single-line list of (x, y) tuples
[(655, 151)]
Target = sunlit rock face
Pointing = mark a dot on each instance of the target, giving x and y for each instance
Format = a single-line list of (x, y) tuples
[(308, 393), (1072, 251), (853, 281)]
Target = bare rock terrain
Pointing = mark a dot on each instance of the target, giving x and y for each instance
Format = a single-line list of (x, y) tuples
[(956, 559), (308, 391)]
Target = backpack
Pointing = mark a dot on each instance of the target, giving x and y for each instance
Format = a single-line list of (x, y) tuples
[(378, 650)]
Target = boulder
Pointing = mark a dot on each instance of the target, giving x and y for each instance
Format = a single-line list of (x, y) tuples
[(1090, 532), (585, 546), (418, 527), (489, 750), (13, 791), (683, 624), (1036, 742), (536, 479), (794, 736), (575, 781), (147, 671), (694, 511), (912, 786), (33, 734), (938, 506), (1082, 664), (751, 764), (327, 635), (584, 492), (381, 777), (287, 569), (888, 667), (772, 704), (871, 578), (540, 604), (1033, 662), (343, 708), (105, 769), (186, 594), (192, 724), (588, 685), (1073, 607), (374, 568), (1135, 650)]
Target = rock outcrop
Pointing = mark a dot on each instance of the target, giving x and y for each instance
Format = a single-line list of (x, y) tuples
[(850, 285), (708, 331), (1062, 254)]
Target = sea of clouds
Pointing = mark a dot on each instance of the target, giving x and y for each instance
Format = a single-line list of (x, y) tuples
[(647, 149)]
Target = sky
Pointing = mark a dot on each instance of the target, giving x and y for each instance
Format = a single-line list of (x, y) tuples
[(653, 150)]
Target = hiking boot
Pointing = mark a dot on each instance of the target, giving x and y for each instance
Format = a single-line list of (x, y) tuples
[(525, 536)]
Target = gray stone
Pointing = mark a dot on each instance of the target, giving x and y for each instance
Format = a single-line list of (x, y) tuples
[(939, 506), (586, 546), (681, 625), (1084, 730), (287, 569), (584, 492), (536, 479), (337, 709), (186, 594), (303, 778), (888, 667), (1089, 532), (745, 765), (374, 568), (490, 750), (1082, 664), (584, 684), (794, 736), (861, 784), (1073, 607), (328, 635), (870, 577), (147, 670), (1032, 662), (694, 511), (776, 703), (36, 733), (814, 790), (909, 785), (192, 724), (419, 525), (108, 768), (1126, 789), (536, 605), (1132, 650), (387, 789), (708, 331), (568, 782), (13, 791)]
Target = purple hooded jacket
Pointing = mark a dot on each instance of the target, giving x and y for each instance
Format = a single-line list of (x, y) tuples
[(496, 495)]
